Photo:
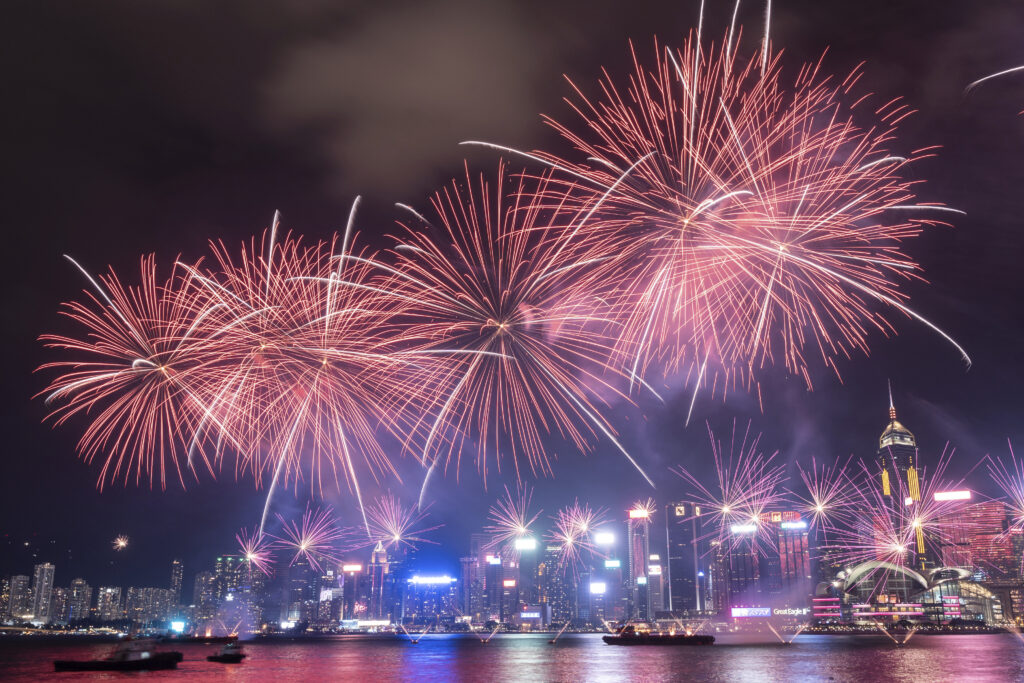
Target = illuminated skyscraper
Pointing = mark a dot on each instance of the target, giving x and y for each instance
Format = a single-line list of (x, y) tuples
[(42, 592), (108, 603), (59, 606), (19, 604), (687, 569), (897, 462), (638, 537), (655, 585), (79, 600), (176, 575), (976, 537), (431, 597), (229, 572), (555, 589), (897, 457), (378, 578)]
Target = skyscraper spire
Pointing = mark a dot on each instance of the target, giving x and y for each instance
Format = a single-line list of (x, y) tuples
[(892, 408)]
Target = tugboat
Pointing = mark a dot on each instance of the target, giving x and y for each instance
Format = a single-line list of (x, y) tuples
[(131, 655), (631, 635), (229, 654)]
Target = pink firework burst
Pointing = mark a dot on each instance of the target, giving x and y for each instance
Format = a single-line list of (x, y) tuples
[(748, 486), (397, 526), (315, 538), (257, 549), (573, 531), (516, 330), (139, 370), (511, 521), (746, 218)]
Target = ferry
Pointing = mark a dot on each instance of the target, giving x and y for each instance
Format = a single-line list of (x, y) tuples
[(131, 655), (632, 635)]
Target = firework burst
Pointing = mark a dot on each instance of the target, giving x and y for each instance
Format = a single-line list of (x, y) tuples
[(257, 549), (397, 526), (511, 521), (746, 223), (120, 543), (137, 370), (748, 485), (315, 538), (1009, 477), (572, 532), (515, 329), (830, 492)]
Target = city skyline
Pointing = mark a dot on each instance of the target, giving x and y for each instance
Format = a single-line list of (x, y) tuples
[(455, 527), (146, 156)]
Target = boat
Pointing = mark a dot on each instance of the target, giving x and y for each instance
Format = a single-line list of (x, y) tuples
[(630, 635), (229, 654), (130, 655), (200, 639)]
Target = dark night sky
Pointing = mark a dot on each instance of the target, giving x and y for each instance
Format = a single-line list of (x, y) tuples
[(131, 128)]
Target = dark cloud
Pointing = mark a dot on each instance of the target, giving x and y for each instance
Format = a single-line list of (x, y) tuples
[(386, 99)]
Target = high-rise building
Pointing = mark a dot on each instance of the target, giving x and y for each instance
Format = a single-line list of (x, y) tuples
[(19, 605), (5, 595), (655, 585), (108, 603), (721, 597), (639, 549), (230, 572), (687, 569), (176, 576), (42, 592), (976, 537), (147, 605), (79, 600), (555, 586), (528, 560), (431, 597), (59, 605), (378, 571), (298, 591), (204, 596), (898, 468)]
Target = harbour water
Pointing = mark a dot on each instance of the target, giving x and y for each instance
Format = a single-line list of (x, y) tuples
[(575, 657)]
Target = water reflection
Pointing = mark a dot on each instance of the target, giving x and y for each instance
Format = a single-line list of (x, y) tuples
[(573, 658)]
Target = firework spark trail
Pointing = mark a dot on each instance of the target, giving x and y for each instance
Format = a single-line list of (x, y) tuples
[(397, 526), (791, 259), (257, 549), (532, 344), (748, 485), (316, 538), (981, 80), (510, 520)]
